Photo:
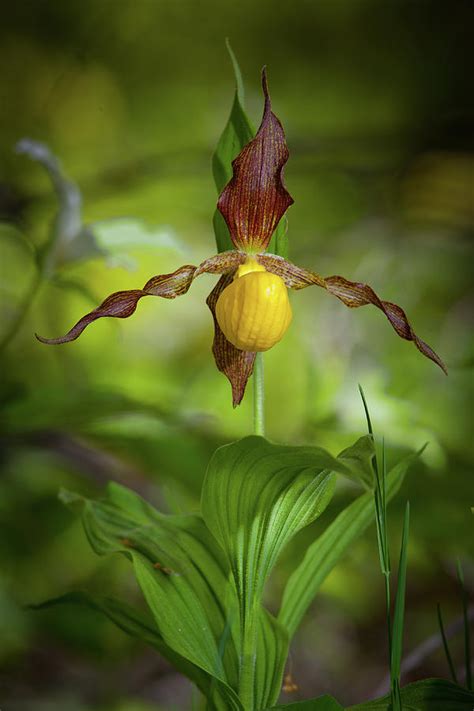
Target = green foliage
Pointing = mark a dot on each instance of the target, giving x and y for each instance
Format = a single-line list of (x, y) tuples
[(322, 703), (396, 650), (395, 631), (255, 497), (380, 498), (425, 695), (359, 456), (117, 119), (203, 578), (237, 133), (322, 555), (182, 575)]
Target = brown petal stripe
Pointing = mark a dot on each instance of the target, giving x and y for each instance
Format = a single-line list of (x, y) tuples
[(352, 294), (122, 304), (222, 263), (236, 365), (255, 199), (294, 277)]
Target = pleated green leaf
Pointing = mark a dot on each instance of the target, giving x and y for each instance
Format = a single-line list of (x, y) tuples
[(327, 550), (359, 457), (322, 703), (271, 654), (255, 497), (425, 695), (183, 574)]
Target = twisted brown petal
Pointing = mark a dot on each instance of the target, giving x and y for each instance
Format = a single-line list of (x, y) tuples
[(236, 365), (255, 199), (122, 304), (352, 294), (294, 277)]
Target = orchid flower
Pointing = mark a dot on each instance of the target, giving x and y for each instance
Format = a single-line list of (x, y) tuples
[(250, 302)]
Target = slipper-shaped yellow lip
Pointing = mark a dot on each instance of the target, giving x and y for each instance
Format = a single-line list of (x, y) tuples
[(254, 311)]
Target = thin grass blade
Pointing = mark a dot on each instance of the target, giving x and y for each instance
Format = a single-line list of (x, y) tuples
[(446, 646), (399, 614), (467, 636)]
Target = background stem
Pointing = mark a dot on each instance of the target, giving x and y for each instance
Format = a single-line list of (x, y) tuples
[(23, 310), (258, 397)]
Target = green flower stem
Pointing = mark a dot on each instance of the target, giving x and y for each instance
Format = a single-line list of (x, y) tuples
[(258, 397), (248, 633)]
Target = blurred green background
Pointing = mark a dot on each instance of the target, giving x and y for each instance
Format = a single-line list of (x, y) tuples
[(132, 96)]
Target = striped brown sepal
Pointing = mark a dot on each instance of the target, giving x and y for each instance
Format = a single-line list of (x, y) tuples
[(236, 365), (352, 294), (122, 304), (294, 277), (255, 199), (355, 294)]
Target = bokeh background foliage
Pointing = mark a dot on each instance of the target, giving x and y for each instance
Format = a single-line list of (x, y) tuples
[(132, 96)]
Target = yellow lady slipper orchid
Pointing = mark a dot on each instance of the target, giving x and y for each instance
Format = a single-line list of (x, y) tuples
[(250, 303), (254, 311)]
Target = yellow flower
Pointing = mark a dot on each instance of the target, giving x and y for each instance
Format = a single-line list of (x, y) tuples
[(250, 301), (254, 311)]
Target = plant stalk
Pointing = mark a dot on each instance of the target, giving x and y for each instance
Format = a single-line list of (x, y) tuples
[(248, 633), (258, 396)]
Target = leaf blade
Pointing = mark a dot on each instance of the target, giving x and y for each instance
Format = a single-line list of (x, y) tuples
[(252, 483), (446, 645), (325, 552), (255, 497), (425, 695), (272, 651), (399, 614), (322, 703), (182, 573)]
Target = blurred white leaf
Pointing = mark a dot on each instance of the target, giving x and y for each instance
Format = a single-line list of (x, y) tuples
[(124, 233)]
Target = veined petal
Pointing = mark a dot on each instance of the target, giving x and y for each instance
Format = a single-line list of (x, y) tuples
[(352, 294), (255, 199), (236, 365), (294, 277), (222, 263), (122, 304)]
